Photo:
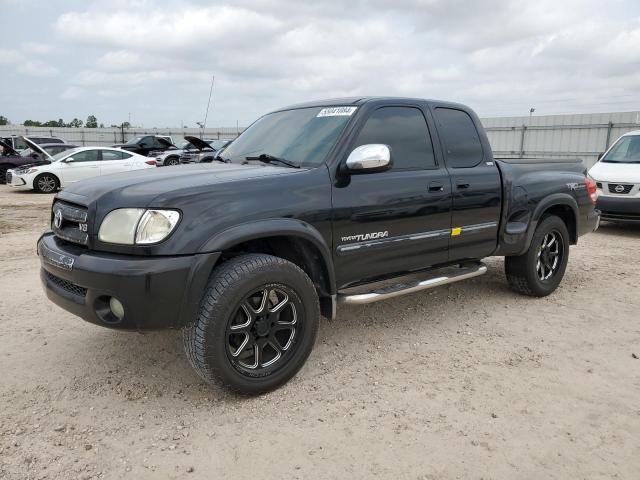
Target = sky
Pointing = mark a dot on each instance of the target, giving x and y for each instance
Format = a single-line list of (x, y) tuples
[(152, 61)]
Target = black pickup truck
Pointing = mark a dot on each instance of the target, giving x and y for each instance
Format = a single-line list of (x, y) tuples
[(348, 200)]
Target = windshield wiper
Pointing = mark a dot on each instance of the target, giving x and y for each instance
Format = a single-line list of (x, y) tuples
[(267, 158)]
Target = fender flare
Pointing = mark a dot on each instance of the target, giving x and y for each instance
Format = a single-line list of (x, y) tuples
[(548, 202), (272, 227)]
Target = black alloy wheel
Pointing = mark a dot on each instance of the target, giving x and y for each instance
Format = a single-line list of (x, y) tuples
[(262, 333), (539, 271)]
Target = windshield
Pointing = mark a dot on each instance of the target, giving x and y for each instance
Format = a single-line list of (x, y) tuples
[(59, 156), (302, 137), (626, 150), (183, 145), (134, 141)]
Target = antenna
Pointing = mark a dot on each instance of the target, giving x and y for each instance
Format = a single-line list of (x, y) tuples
[(206, 114)]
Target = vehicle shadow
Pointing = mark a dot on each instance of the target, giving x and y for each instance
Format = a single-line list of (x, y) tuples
[(619, 229), (154, 364)]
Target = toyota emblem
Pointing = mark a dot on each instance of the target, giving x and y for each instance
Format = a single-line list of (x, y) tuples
[(57, 219), (619, 189)]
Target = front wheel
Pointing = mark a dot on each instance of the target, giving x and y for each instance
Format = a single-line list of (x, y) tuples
[(46, 183), (172, 161), (540, 270), (256, 326)]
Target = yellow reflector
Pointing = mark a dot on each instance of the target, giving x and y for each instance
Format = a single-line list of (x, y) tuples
[(456, 231)]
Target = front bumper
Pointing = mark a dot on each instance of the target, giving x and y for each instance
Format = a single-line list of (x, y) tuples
[(17, 181), (156, 292), (617, 209)]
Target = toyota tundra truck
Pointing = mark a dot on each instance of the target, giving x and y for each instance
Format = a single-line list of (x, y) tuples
[(346, 201)]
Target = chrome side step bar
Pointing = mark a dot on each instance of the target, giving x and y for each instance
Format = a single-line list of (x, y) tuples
[(441, 277)]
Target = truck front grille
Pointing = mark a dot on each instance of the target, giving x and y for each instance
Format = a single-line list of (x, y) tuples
[(69, 222)]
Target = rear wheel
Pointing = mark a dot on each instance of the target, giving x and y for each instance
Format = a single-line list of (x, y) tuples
[(46, 183), (257, 324), (540, 270)]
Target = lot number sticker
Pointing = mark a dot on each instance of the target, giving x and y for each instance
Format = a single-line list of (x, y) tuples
[(336, 112)]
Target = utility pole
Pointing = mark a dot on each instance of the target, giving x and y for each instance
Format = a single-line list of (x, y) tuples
[(206, 114)]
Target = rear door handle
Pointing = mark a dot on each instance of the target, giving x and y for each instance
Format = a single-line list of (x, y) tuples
[(436, 187)]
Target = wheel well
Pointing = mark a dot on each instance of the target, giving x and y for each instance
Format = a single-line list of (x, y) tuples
[(297, 250), (568, 216)]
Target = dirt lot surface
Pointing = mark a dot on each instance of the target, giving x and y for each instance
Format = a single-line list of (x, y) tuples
[(466, 381)]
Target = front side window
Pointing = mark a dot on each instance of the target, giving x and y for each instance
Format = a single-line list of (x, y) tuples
[(404, 130), (626, 150), (302, 136), (462, 143)]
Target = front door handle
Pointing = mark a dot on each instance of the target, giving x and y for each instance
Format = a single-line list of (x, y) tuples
[(436, 187), (462, 185)]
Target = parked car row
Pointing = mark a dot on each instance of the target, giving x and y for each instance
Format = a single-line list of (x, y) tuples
[(46, 164)]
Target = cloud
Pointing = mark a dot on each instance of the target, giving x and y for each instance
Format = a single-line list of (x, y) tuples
[(500, 56)]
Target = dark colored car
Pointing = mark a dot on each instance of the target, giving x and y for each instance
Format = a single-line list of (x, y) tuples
[(146, 144), (36, 154), (312, 205)]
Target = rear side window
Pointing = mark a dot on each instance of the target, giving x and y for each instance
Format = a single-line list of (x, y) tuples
[(405, 131), (111, 155), (462, 143)]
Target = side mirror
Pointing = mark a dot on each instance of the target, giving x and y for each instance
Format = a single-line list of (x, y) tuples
[(371, 158), (67, 160)]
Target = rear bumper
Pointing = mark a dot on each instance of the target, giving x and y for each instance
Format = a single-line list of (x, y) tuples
[(156, 292), (616, 209)]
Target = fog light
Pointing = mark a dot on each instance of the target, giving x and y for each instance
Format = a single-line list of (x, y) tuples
[(116, 308)]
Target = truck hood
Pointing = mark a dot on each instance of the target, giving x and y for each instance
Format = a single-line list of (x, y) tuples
[(616, 172), (141, 187)]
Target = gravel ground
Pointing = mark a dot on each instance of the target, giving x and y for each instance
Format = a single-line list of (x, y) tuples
[(465, 381)]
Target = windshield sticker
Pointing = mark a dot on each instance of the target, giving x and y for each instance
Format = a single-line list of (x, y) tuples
[(336, 112)]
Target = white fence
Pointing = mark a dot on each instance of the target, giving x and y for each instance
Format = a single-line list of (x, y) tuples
[(566, 136), (110, 136)]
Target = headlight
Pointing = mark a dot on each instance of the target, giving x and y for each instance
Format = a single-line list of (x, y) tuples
[(156, 225), (129, 226), (31, 170)]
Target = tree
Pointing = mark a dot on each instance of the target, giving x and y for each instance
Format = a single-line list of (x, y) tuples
[(126, 125), (4, 120), (75, 123), (92, 122), (50, 123), (32, 123)]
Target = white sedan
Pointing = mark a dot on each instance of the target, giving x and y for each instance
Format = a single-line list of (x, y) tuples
[(76, 164)]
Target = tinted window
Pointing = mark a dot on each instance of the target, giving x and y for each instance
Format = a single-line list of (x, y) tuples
[(460, 136), (86, 156), (112, 155), (405, 131)]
